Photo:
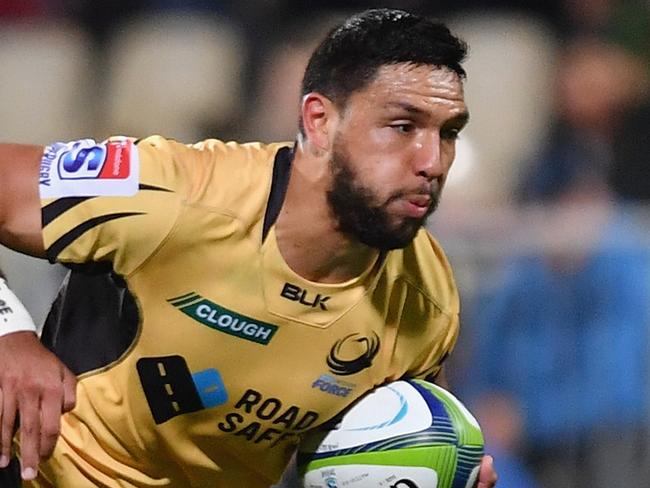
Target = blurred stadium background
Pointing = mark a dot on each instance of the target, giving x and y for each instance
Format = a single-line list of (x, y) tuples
[(545, 217)]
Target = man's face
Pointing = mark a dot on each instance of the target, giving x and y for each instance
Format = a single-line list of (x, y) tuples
[(392, 151)]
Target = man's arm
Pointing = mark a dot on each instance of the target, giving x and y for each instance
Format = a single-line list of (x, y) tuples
[(34, 385), (20, 209)]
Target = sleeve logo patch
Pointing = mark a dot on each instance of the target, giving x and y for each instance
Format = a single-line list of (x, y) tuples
[(88, 168)]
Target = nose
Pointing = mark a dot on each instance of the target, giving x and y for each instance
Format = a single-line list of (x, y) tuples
[(427, 161)]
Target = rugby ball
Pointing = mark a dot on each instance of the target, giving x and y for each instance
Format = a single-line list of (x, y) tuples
[(406, 434)]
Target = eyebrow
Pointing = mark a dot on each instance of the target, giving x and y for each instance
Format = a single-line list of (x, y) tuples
[(461, 119), (406, 107)]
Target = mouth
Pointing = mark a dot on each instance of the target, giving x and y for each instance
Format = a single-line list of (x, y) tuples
[(416, 205), (419, 200)]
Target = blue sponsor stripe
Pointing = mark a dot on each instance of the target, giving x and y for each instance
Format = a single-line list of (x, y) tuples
[(210, 387)]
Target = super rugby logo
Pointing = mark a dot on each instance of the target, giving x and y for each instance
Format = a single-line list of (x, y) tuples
[(341, 365), (88, 168), (82, 162), (86, 159)]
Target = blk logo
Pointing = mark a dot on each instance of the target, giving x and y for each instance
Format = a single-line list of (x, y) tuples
[(341, 365), (172, 390), (404, 484), (297, 294)]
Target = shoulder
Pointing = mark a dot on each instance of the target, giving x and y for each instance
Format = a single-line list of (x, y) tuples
[(213, 173), (211, 149), (212, 154), (423, 265)]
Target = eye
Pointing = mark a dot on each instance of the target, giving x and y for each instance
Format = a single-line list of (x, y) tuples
[(450, 133), (403, 127)]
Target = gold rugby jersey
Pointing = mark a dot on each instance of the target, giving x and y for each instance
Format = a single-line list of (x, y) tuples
[(201, 355)]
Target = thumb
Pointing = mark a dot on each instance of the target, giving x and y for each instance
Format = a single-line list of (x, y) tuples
[(69, 390), (487, 476)]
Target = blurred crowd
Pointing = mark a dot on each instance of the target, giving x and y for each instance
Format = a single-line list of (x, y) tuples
[(545, 216)]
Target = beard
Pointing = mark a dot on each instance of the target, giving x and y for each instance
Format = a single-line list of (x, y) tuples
[(362, 214)]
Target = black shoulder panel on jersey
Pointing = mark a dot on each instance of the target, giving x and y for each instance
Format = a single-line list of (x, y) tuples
[(58, 207), (52, 210), (66, 239), (93, 321), (281, 173), (143, 186)]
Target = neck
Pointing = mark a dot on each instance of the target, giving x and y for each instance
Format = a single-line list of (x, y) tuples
[(306, 229)]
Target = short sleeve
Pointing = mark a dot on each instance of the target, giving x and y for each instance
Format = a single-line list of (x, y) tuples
[(113, 201)]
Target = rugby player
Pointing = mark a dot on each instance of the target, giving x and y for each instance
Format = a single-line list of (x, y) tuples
[(225, 298)]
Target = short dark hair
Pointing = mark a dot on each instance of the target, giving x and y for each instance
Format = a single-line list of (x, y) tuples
[(348, 58)]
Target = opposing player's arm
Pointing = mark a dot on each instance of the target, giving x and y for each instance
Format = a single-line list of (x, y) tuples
[(34, 385), (20, 210), (77, 203)]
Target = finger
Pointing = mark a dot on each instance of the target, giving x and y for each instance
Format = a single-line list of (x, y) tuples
[(50, 412), (487, 475), (30, 426), (69, 390), (7, 421)]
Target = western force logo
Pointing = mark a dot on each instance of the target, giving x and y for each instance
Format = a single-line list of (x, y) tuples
[(341, 364), (333, 386), (219, 318), (172, 390)]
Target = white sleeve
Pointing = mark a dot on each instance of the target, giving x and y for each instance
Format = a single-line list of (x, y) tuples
[(13, 315)]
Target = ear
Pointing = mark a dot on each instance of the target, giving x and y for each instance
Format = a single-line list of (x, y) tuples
[(319, 119)]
